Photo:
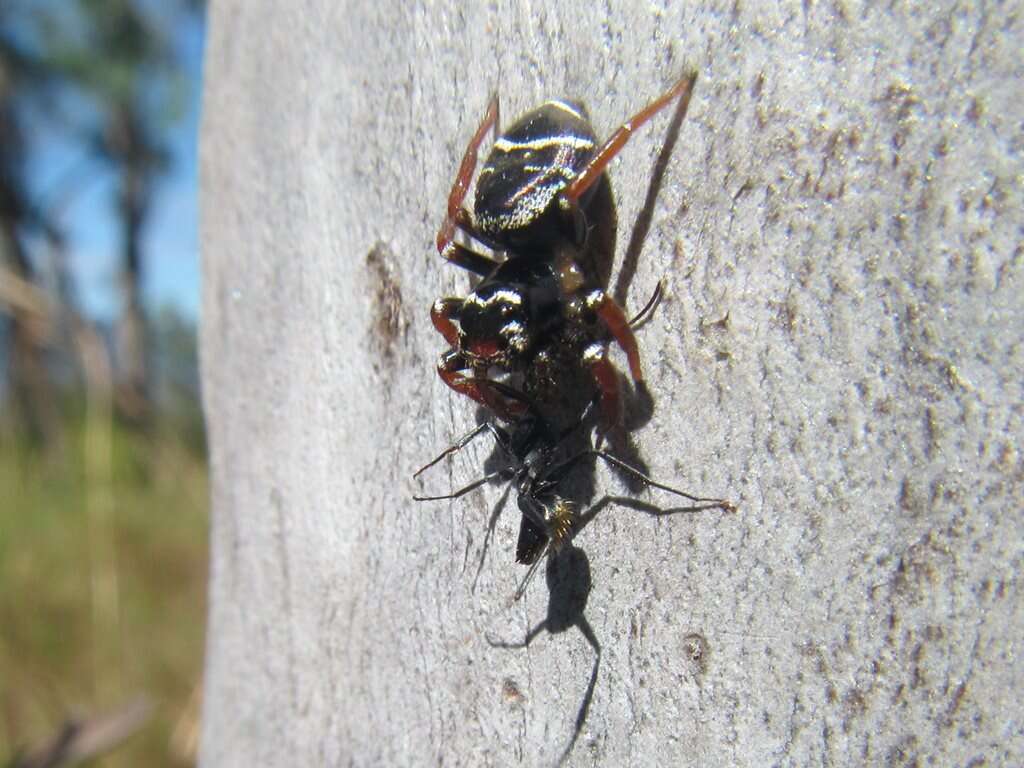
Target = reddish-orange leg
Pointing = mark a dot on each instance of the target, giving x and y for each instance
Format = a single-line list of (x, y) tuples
[(595, 357), (451, 370), (441, 314), (456, 215), (586, 178), (614, 318), (611, 314)]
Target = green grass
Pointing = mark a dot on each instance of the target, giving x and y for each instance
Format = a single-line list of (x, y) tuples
[(103, 549)]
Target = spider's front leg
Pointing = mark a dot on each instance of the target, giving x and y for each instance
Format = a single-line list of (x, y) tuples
[(454, 370), (444, 314)]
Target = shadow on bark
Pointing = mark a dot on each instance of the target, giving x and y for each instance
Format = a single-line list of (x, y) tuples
[(642, 225), (569, 584)]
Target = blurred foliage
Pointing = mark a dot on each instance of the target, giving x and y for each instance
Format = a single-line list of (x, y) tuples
[(136, 89), (103, 521), (103, 573), (108, 77), (176, 369)]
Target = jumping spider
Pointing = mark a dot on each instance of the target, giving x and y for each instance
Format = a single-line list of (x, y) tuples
[(535, 304)]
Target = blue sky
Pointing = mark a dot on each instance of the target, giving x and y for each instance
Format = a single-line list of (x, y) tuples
[(171, 253)]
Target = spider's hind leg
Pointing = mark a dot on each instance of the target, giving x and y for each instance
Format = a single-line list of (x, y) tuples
[(457, 216)]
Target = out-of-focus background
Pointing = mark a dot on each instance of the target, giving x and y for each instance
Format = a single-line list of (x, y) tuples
[(103, 485)]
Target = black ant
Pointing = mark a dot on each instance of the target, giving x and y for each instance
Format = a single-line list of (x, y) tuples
[(549, 519), (535, 305)]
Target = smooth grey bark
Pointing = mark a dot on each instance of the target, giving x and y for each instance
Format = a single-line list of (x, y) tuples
[(839, 352)]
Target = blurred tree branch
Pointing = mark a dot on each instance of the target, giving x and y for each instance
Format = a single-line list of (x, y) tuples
[(27, 373), (84, 739)]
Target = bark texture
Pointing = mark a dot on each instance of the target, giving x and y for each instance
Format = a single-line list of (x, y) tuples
[(839, 352)]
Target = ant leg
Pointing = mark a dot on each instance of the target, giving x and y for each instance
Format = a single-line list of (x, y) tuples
[(593, 170), (615, 320), (563, 469), (463, 491), (725, 506), (456, 215), (499, 436)]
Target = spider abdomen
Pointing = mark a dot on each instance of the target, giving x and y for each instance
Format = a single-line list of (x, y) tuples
[(528, 166)]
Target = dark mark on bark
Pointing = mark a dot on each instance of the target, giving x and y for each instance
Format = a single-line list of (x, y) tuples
[(388, 323), (695, 648)]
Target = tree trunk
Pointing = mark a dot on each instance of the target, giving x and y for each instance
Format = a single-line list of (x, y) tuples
[(838, 352), (30, 327), (134, 156)]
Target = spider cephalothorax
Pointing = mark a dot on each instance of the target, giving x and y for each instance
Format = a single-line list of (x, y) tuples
[(502, 319)]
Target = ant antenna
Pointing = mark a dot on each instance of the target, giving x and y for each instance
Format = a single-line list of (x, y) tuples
[(458, 446), (463, 491)]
